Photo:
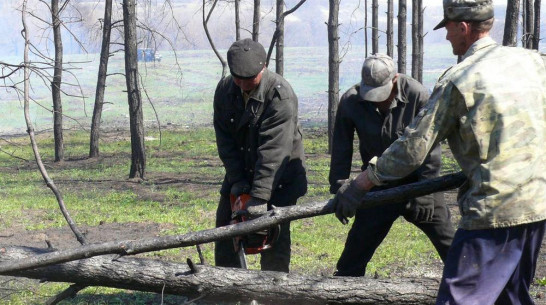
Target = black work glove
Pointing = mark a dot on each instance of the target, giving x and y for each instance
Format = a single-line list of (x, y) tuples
[(240, 187), (347, 200), (256, 207), (422, 209)]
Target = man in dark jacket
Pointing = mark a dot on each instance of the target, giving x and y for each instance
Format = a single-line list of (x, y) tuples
[(379, 108), (259, 141)]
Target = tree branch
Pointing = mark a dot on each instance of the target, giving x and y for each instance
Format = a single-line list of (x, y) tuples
[(272, 217)]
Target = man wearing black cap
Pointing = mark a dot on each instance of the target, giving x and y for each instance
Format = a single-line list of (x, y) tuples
[(491, 109), (259, 141), (379, 108)]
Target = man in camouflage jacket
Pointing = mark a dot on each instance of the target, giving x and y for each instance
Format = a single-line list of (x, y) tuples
[(259, 141), (491, 107)]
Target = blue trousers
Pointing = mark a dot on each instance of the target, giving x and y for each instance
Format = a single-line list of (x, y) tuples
[(494, 266)]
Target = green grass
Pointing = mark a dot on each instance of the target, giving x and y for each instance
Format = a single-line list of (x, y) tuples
[(97, 191)]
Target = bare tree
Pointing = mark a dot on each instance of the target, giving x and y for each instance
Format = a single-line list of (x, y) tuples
[(237, 21), (101, 80), (402, 45), (136, 120), (279, 34), (57, 80), (528, 23), (390, 25), (333, 68), (206, 18), (511, 23), (417, 40), (256, 21), (375, 27), (365, 28), (279, 31), (536, 27)]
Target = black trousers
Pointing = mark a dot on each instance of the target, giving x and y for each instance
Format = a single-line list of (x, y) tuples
[(370, 227), (275, 259)]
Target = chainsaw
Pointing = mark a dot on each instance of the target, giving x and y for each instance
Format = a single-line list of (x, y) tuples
[(253, 243)]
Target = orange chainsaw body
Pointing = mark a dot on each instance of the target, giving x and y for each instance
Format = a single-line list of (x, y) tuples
[(255, 242)]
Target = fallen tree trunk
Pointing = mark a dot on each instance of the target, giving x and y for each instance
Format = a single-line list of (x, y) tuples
[(273, 217), (226, 284)]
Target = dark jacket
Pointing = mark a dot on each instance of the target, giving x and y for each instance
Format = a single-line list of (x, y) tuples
[(377, 131), (262, 142)]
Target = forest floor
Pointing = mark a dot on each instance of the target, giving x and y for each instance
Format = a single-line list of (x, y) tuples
[(63, 238)]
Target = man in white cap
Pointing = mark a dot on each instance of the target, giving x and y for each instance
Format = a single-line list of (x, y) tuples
[(378, 109), (491, 107)]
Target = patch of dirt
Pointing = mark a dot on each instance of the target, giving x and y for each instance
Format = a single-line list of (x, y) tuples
[(63, 238)]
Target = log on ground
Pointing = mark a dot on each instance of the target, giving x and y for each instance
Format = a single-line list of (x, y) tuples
[(226, 284)]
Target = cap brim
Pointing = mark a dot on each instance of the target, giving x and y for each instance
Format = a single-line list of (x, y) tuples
[(441, 24), (375, 94)]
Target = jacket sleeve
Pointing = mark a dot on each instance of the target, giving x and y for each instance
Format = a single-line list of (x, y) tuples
[(342, 147), (275, 138), (226, 144), (433, 123)]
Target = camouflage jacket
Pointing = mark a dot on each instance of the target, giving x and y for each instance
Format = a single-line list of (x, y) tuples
[(491, 107), (261, 142)]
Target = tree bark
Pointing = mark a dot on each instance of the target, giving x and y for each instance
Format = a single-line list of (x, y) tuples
[(279, 32), (365, 28), (511, 24), (402, 43), (256, 21), (237, 21), (528, 23), (209, 38), (272, 217), (227, 284), (390, 26), (101, 81), (333, 68), (375, 27), (136, 121), (536, 27), (417, 40), (56, 83), (414, 39)]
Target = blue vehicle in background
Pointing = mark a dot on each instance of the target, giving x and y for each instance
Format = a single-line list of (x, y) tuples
[(147, 55)]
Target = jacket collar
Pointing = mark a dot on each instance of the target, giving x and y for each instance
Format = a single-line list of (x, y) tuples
[(257, 94), (478, 45)]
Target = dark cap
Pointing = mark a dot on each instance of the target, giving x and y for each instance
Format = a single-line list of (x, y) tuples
[(466, 10), (246, 58), (377, 74)]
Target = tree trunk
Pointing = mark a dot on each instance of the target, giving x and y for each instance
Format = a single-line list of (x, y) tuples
[(365, 28), (511, 24), (421, 36), (333, 68), (272, 217), (375, 27), (528, 23), (228, 284), (402, 43), (136, 121), (390, 26), (256, 21), (415, 55), (101, 80), (536, 27), (237, 21), (279, 51), (56, 83), (206, 18)]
